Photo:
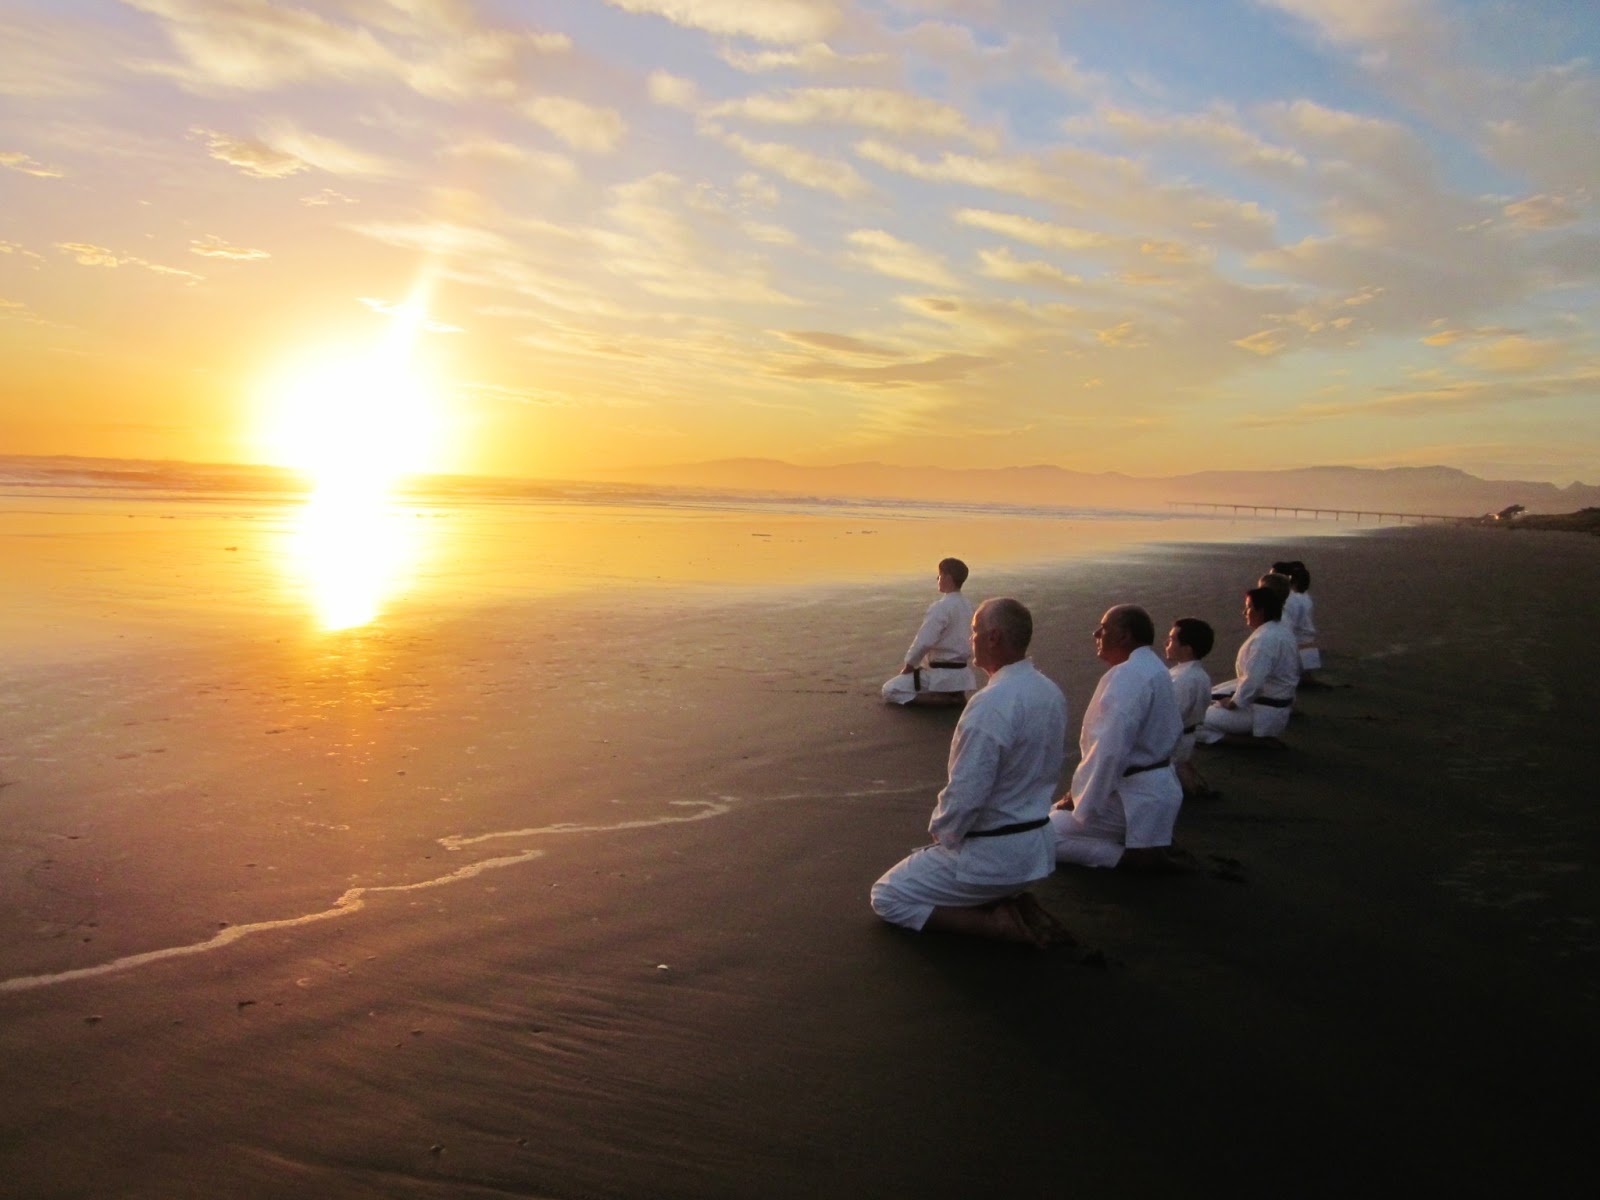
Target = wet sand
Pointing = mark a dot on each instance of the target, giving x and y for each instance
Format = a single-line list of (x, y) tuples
[(567, 898)]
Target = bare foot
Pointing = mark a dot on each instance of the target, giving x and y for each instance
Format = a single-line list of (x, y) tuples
[(1043, 922), (1011, 926)]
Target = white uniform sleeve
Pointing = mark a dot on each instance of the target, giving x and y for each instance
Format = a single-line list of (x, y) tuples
[(974, 767), (932, 631), (1109, 728)]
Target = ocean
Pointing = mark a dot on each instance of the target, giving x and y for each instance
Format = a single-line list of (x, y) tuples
[(96, 548)]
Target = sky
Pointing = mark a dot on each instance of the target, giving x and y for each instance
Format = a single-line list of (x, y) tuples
[(555, 239)]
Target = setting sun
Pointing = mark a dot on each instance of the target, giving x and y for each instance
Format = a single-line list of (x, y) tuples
[(355, 423)]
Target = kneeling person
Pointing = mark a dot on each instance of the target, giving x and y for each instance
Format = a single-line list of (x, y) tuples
[(936, 664), (990, 827), (1125, 794), (1189, 640), (1256, 703)]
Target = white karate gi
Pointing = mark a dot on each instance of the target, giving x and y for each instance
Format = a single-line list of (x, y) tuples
[(945, 636), (1268, 665), (1005, 766), (1193, 687), (1132, 721), (1297, 616)]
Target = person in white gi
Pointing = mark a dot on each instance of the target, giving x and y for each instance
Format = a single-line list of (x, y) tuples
[(936, 664), (1297, 615), (1257, 702), (1125, 795), (1188, 641), (990, 827)]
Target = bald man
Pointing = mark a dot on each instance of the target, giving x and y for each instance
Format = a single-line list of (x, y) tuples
[(1125, 793), (990, 827)]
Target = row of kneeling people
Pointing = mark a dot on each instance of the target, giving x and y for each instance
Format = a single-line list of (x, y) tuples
[(997, 825)]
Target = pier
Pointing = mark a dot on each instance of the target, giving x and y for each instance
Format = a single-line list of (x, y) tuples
[(1316, 514)]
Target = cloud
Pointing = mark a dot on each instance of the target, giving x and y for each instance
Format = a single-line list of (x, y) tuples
[(25, 164), (251, 156), (556, 167), (1121, 337), (941, 368), (672, 240), (1514, 354), (326, 197), (435, 48), (1217, 132), (1543, 212), (1089, 181), (1035, 53), (1001, 264), (327, 154), (673, 91), (89, 255), (1449, 337), (390, 308), (800, 166), (1366, 23), (49, 57), (1539, 125), (838, 342), (253, 45), (1266, 343), (784, 21), (582, 126), (817, 58), (870, 108), (1034, 231), (212, 246), (886, 254)]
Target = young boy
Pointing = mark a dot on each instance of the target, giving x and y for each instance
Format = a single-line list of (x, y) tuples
[(1190, 640), (936, 664)]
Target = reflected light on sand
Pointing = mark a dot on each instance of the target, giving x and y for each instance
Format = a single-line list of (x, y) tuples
[(354, 551)]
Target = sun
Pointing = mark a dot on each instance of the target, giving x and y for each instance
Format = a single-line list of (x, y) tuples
[(356, 423)]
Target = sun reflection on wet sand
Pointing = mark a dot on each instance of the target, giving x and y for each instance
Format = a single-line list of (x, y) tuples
[(354, 550)]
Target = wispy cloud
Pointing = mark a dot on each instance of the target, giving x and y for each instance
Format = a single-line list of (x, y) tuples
[(800, 166), (212, 246), (879, 109), (582, 126), (250, 155), (787, 21), (880, 251), (24, 164), (87, 254)]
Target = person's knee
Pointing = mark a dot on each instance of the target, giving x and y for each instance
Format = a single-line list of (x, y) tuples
[(892, 906)]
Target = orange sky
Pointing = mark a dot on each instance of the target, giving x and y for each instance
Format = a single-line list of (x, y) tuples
[(1151, 238)]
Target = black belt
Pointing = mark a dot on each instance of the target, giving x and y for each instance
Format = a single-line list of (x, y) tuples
[(1271, 703), (916, 672), (1147, 767), (1190, 728), (1003, 830)]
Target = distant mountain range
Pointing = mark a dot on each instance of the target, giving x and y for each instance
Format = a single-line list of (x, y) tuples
[(1433, 491)]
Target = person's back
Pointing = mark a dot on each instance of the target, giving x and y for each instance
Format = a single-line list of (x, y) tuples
[(936, 664)]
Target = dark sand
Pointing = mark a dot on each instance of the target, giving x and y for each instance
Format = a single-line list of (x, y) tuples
[(1381, 976)]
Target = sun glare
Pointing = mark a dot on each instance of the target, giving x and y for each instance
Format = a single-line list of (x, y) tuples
[(355, 425), (351, 556)]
